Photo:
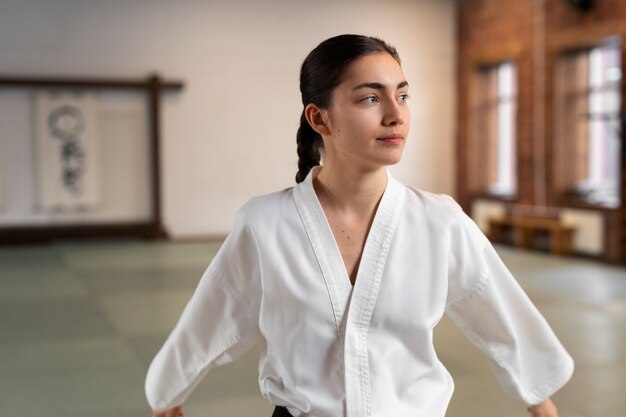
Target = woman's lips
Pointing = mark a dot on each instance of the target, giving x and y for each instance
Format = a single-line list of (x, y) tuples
[(391, 139)]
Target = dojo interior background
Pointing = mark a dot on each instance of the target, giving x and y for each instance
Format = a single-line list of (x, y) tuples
[(81, 319), (230, 134)]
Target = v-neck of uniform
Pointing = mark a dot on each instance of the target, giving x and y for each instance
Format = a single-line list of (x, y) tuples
[(326, 249)]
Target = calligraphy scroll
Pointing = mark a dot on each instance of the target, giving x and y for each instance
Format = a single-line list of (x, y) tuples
[(67, 152)]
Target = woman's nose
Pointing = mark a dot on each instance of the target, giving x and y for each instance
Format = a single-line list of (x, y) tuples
[(393, 115)]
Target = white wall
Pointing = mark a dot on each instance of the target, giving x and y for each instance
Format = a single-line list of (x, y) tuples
[(231, 133)]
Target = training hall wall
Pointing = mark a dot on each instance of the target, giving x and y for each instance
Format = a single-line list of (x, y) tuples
[(230, 133)]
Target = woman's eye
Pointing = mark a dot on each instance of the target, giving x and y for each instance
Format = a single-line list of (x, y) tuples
[(370, 100), (403, 98)]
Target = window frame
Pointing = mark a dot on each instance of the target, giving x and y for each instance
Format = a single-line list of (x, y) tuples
[(565, 149), (485, 93)]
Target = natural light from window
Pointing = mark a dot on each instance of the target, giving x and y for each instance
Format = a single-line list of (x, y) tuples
[(506, 178), (604, 124)]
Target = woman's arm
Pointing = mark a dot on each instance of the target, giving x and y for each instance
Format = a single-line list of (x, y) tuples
[(544, 409), (172, 412), (219, 323), (492, 310)]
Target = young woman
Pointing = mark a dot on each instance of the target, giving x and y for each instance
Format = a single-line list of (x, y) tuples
[(343, 277)]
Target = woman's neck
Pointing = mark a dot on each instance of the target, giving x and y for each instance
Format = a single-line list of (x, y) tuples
[(349, 190)]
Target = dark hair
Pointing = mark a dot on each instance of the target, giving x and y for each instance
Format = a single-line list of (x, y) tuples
[(322, 71)]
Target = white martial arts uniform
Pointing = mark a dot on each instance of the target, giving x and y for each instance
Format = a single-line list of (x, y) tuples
[(330, 349)]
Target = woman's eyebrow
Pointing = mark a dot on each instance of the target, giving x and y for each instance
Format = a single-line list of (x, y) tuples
[(379, 86)]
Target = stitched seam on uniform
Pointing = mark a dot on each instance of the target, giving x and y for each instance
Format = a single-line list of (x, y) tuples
[(363, 319), (325, 268), (477, 287), (365, 377), (551, 384), (373, 295), (226, 285), (260, 277), (386, 244), (496, 356), (193, 376), (299, 194), (387, 230), (314, 240), (515, 382)]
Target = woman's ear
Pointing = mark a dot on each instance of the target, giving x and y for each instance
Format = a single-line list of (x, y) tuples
[(317, 118)]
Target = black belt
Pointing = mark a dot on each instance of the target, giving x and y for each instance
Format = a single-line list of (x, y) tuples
[(281, 412)]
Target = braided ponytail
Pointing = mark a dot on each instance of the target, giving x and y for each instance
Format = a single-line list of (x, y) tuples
[(322, 71), (309, 145)]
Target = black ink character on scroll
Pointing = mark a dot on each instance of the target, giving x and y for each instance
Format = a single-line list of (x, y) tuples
[(67, 123)]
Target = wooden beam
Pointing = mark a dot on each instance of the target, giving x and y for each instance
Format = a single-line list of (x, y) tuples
[(87, 83)]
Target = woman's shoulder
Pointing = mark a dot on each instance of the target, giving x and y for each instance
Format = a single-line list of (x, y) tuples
[(263, 208), (439, 209), (439, 203), (444, 210)]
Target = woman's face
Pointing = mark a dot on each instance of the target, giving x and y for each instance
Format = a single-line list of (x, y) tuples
[(368, 118)]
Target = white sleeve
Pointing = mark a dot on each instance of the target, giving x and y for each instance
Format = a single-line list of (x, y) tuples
[(219, 323), (487, 304)]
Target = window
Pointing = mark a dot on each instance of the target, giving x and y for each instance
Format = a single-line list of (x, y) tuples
[(588, 124), (494, 162)]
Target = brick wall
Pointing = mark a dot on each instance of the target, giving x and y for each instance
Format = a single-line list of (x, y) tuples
[(491, 31), (533, 33)]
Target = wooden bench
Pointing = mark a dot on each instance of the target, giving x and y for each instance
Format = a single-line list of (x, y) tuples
[(525, 229)]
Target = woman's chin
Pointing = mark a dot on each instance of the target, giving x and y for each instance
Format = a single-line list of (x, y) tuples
[(393, 159)]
